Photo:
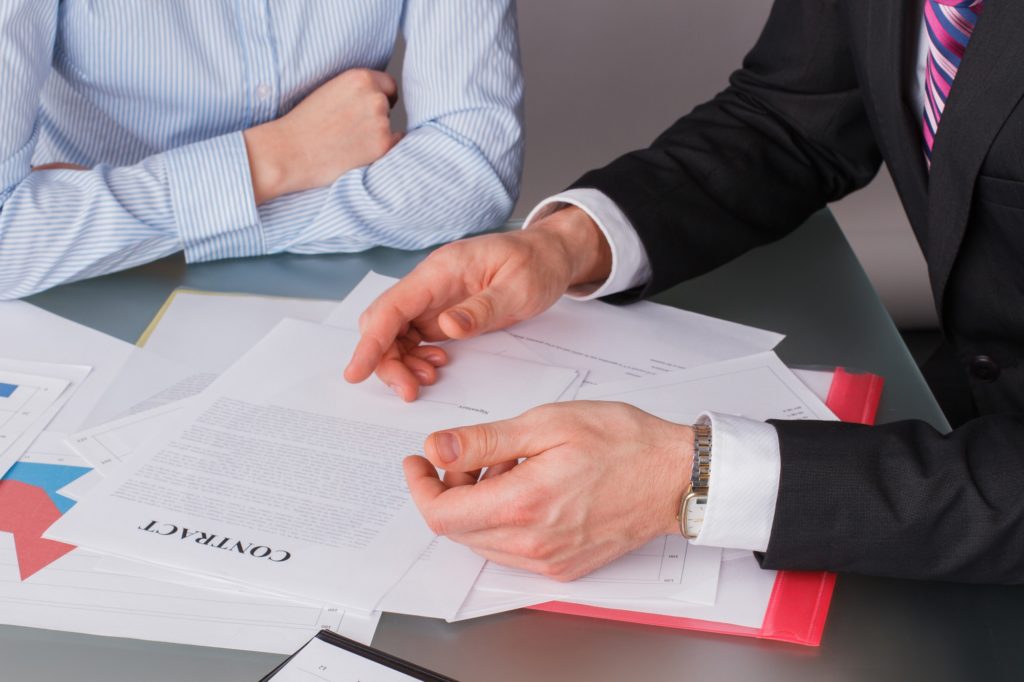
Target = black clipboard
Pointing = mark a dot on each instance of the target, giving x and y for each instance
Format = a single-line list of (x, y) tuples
[(376, 655)]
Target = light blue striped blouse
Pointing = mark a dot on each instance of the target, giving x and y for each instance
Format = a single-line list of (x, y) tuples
[(153, 96)]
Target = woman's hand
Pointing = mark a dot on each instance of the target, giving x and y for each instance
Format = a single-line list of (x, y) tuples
[(342, 125)]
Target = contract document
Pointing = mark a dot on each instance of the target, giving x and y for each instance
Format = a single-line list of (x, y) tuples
[(284, 477), (434, 587), (60, 588)]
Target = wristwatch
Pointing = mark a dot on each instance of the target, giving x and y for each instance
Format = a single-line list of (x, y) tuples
[(695, 500)]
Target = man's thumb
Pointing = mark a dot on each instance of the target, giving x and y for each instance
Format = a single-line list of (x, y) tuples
[(476, 315), (480, 446)]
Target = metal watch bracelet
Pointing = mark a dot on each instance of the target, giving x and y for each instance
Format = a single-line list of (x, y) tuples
[(700, 473)]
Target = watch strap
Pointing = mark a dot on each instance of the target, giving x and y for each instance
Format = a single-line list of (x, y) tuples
[(700, 474)]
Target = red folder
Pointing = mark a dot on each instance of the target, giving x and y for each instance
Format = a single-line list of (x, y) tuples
[(798, 605)]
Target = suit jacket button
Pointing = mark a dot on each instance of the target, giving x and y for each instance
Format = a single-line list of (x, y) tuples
[(985, 368)]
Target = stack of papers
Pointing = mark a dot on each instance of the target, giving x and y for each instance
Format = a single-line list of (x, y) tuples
[(223, 485)]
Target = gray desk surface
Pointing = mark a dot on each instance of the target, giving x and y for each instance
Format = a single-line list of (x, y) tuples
[(808, 286)]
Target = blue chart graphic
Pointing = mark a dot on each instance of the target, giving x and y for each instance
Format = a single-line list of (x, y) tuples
[(49, 477), (7, 390)]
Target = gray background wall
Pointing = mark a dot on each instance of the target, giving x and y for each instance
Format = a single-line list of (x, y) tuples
[(603, 78)]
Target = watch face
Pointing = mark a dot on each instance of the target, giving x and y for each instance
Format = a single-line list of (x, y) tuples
[(694, 521)]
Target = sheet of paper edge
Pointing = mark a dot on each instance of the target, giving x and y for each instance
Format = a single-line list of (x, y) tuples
[(165, 306)]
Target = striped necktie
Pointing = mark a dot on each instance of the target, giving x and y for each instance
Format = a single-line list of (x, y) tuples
[(950, 24)]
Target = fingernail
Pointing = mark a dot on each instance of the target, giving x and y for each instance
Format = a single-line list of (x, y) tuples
[(397, 390), (462, 319), (435, 358), (422, 376), (447, 447)]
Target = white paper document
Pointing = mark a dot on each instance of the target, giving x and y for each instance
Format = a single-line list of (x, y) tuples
[(434, 587), (437, 584), (744, 589), (284, 477), (147, 381), (71, 595), (482, 603), (210, 331), (33, 334), (504, 344), (818, 380), (757, 387), (665, 568), (110, 444), (346, 313), (28, 403), (638, 340), (74, 375)]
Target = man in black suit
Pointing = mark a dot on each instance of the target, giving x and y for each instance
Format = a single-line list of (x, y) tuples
[(826, 95)]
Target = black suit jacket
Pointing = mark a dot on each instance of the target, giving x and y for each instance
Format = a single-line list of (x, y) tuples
[(820, 102)]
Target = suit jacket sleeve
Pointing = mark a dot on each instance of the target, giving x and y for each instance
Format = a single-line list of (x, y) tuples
[(902, 500), (787, 136)]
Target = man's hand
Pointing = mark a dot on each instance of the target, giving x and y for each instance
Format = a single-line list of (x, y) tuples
[(600, 479), (341, 125), (470, 287)]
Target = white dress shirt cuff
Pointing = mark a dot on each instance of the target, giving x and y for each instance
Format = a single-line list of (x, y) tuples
[(745, 466), (212, 195), (630, 265)]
